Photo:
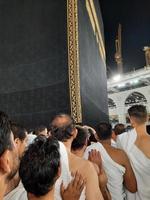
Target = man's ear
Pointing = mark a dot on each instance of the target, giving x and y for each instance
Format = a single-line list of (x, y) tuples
[(59, 171), (86, 143), (17, 141), (96, 136), (132, 121), (5, 162), (113, 136), (75, 132), (147, 118)]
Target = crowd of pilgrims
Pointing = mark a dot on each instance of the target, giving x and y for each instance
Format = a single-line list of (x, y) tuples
[(71, 162)]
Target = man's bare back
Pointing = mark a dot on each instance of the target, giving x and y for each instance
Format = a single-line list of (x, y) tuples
[(143, 143), (116, 155), (88, 172), (63, 128), (120, 157)]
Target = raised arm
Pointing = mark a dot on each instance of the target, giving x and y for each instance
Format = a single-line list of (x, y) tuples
[(95, 158), (92, 183), (129, 176)]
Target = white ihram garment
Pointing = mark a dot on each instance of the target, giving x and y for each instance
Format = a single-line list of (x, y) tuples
[(113, 170), (18, 193), (65, 174), (140, 164)]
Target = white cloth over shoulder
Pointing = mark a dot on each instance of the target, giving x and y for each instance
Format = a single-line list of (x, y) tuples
[(113, 170), (113, 143), (18, 193), (140, 164), (126, 140), (65, 174), (31, 138)]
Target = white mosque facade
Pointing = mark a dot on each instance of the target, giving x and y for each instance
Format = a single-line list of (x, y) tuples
[(127, 90)]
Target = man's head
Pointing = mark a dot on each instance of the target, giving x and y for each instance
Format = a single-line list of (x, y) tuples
[(41, 130), (63, 127), (104, 131), (40, 166), (138, 115), (118, 130), (81, 141), (20, 137), (8, 153), (92, 134)]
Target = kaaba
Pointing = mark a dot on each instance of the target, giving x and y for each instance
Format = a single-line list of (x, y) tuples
[(52, 60)]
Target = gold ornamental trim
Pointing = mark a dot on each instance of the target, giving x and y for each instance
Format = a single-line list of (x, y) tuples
[(73, 60), (96, 27)]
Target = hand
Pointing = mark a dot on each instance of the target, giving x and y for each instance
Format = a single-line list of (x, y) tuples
[(74, 189), (95, 157)]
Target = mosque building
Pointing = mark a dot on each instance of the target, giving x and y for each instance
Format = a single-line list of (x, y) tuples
[(126, 90)]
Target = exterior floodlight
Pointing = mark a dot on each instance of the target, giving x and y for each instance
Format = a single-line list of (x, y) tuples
[(136, 81), (117, 77), (121, 85)]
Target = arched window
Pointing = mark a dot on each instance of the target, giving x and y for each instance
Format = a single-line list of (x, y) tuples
[(111, 103), (135, 98)]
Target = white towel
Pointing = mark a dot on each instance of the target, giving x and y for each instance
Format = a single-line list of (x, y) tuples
[(113, 170), (126, 140), (31, 139), (140, 164), (113, 143), (18, 193), (65, 174)]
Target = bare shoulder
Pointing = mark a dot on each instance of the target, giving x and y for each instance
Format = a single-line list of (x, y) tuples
[(85, 164), (143, 144), (80, 164), (88, 172), (119, 151), (119, 156)]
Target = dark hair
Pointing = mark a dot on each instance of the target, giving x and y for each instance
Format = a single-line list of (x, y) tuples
[(148, 129), (139, 112), (104, 131), (64, 130), (81, 138), (39, 166), (5, 133), (18, 131), (92, 137), (119, 129), (39, 129)]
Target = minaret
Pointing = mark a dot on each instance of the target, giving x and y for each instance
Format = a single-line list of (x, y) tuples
[(118, 54), (147, 55)]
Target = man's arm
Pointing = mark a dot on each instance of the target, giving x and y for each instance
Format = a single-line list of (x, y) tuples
[(95, 158), (129, 176), (92, 183)]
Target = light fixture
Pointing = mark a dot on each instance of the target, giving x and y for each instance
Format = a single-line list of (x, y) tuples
[(117, 77), (121, 85), (135, 81)]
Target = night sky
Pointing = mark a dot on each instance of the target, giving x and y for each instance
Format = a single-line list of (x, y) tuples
[(134, 15)]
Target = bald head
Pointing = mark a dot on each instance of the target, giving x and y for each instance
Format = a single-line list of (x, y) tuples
[(62, 127), (62, 120)]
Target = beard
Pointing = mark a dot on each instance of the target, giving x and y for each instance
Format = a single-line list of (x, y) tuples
[(15, 166), (12, 174)]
